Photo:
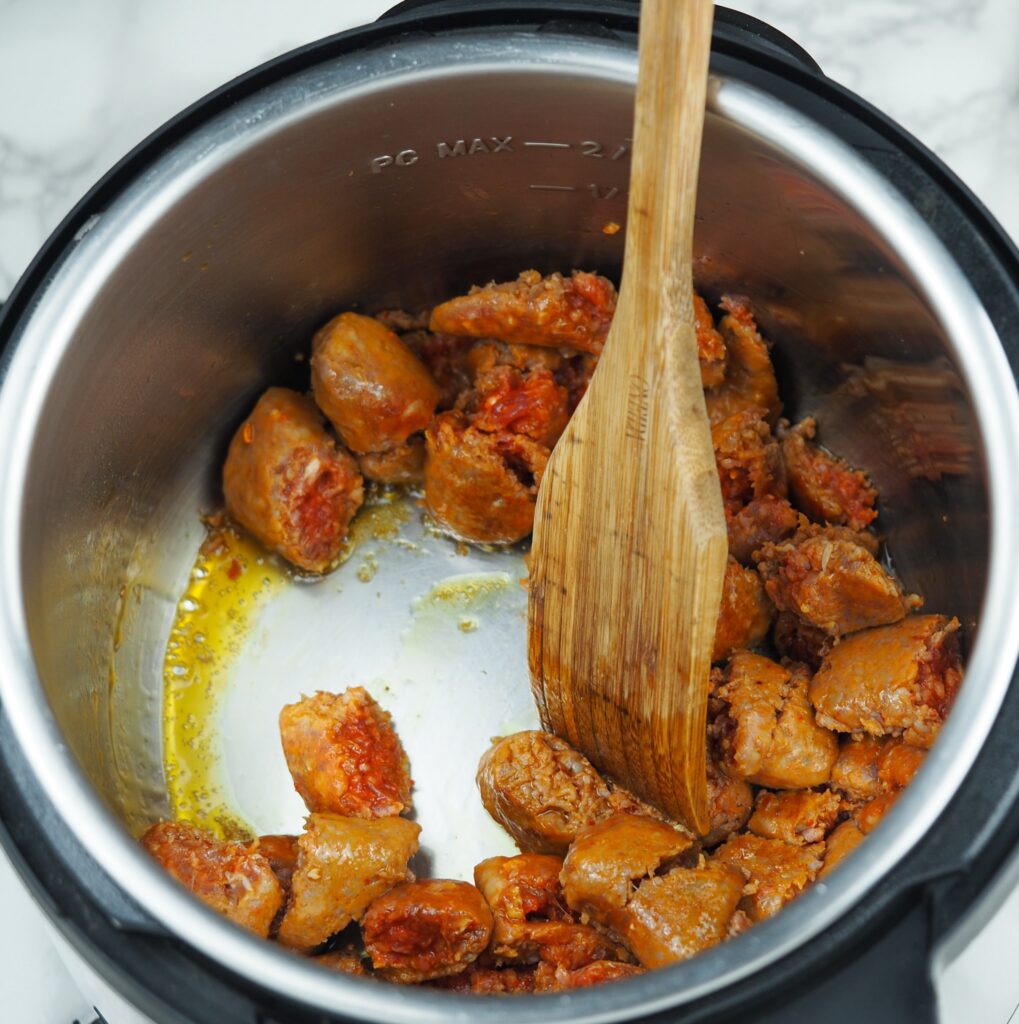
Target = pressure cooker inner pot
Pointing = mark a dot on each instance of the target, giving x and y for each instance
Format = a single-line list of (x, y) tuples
[(397, 177)]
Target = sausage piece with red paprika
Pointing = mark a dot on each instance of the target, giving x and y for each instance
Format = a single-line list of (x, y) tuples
[(427, 929), (286, 481)]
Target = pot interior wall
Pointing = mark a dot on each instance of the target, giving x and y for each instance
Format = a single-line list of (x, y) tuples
[(340, 190)]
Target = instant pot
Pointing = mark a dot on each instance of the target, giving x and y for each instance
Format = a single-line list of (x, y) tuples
[(448, 144)]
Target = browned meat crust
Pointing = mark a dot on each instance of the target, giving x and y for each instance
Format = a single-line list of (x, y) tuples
[(403, 465), (427, 929), (557, 311), (344, 755), (548, 978), (286, 482), (487, 354), (830, 582), (798, 816), (674, 916), (748, 458), (233, 879), (545, 793), (749, 377), (854, 774), (841, 843), (796, 640), (897, 680), (532, 920), (343, 865), (609, 860), (775, 872), (447, 359), (730, 802), (478, 486), (369, 384), (745, 614), (710, 346), (824, 486), (489, 981), (763, 520), (764, 726)]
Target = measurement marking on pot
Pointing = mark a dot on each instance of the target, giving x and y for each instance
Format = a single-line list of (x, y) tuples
[(553, 188), (549, 145), (595, 149), (495, 144)]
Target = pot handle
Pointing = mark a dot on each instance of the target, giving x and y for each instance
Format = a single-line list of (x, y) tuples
[(732, 27), (887, 982)]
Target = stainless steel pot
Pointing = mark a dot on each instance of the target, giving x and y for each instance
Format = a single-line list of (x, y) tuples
[(394, 167)]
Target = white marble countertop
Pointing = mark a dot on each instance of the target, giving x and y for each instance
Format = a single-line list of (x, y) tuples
[(80, 84)]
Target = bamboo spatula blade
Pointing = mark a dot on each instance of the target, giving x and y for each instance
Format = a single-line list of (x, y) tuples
[(629, 546)]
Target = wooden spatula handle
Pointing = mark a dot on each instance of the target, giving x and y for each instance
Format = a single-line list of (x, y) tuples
[(675, 42), (629, 546)]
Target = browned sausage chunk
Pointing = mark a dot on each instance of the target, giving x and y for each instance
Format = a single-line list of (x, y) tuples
[(281, 853), (478, 486), (532, 921), (403, 321), (898, 763), (710, 346), (372, 388), (229, 877), (575, 375), (749, 377), (776, 872), (798, 816), (545, 793), (830, 582), (765, 729), (846, 838), (748, 458), (898, 680), (872, 773), (489, 981), (557, 311), (609, 860), (344, 755), (799, 641), (531, 404), (746, 612), (427, 929), (869, 816), (762, 520), (346, 961), (559, 979), (854, 774), (447, 360), (402, 465), (484, 356), (730, 802), (823, 485), (343, 864), (286, 482), (674, 916)]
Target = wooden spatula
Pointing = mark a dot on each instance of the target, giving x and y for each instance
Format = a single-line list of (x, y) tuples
[(629, 547)]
